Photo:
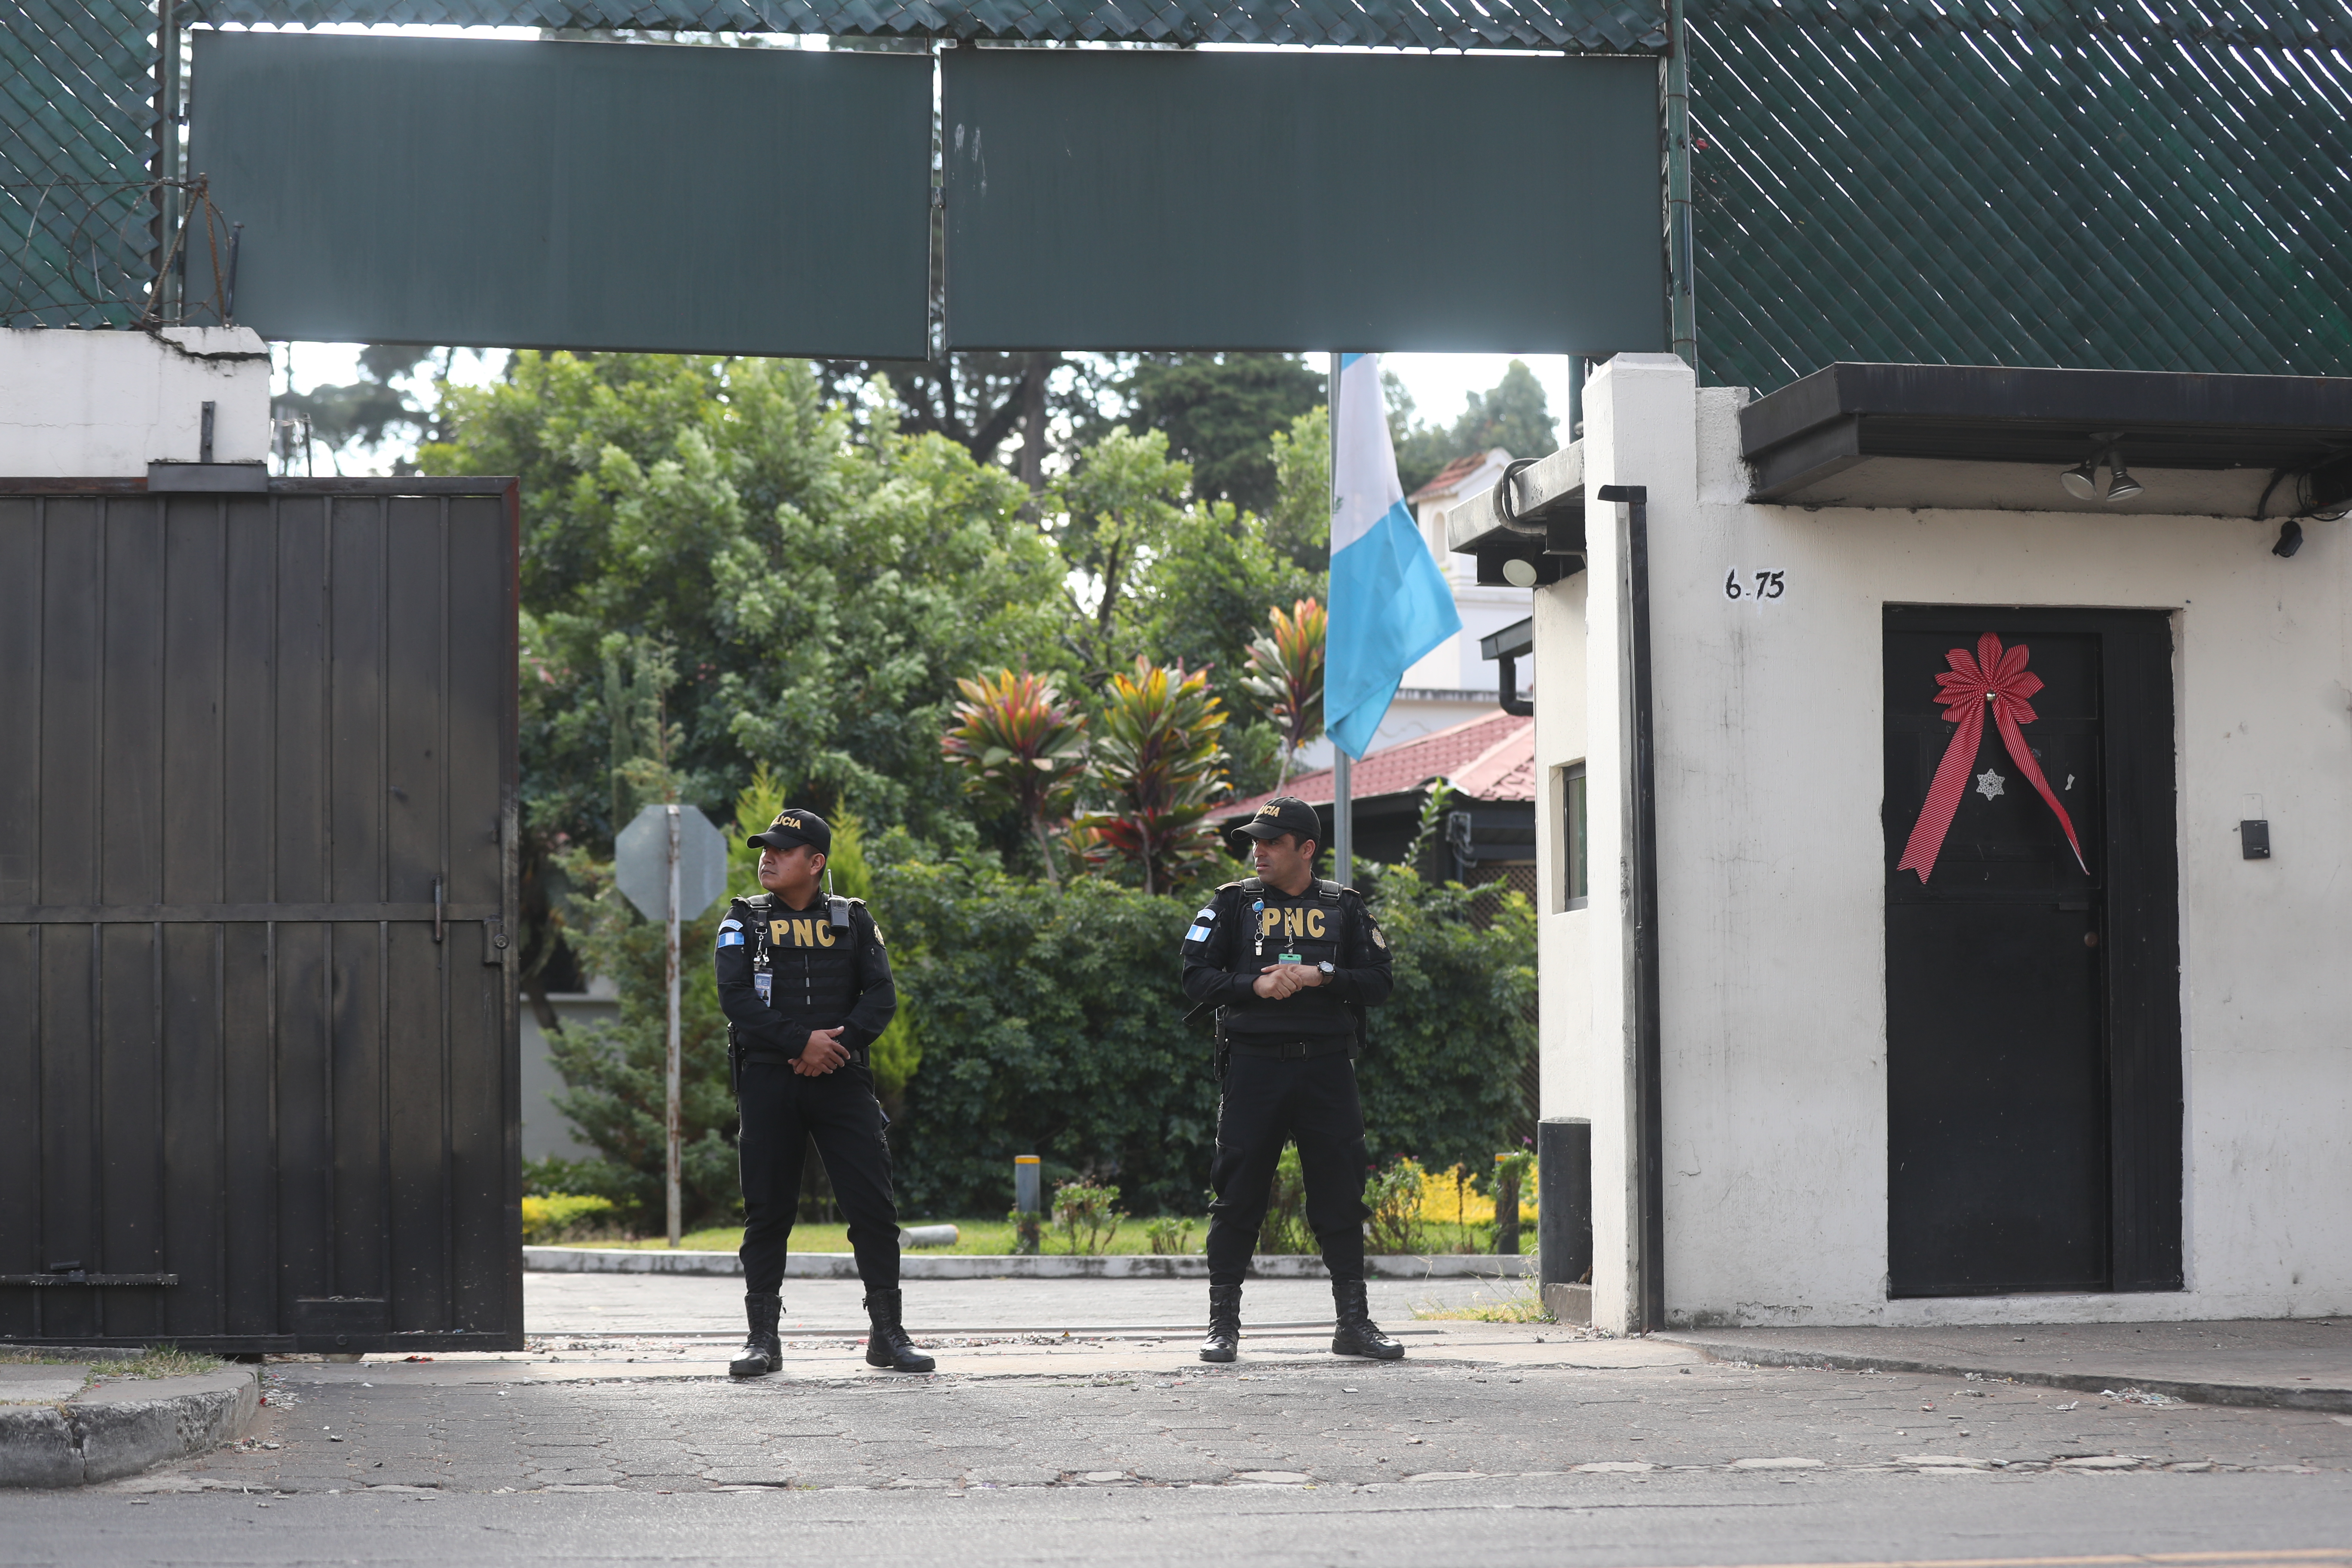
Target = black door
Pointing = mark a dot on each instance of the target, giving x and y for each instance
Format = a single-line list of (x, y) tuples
[(2034, 1073), (258, 1072)]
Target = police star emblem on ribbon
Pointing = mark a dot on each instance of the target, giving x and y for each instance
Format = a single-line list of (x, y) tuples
[(1994, 678)]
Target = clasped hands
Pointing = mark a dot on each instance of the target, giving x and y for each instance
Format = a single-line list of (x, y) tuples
[(823, 1053), (1276, 981)]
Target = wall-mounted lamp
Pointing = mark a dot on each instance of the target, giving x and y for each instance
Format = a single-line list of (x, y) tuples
[(2121, 486), (2082, 480)]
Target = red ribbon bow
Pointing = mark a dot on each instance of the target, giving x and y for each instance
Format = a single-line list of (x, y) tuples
[(1991, 680)]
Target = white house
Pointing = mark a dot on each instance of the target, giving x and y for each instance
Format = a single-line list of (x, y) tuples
[(1893, 990)]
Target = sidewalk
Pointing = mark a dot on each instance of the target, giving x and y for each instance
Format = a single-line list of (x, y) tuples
[(681, 1305), (2296, 1363)]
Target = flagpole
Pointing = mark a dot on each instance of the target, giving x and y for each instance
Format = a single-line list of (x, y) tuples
[(1343, 806)]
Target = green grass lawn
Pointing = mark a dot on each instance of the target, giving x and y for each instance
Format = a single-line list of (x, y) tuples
[(993, 1237)]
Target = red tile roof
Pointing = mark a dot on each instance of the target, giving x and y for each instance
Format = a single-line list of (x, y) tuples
[(1453, 474), (1489, 757)]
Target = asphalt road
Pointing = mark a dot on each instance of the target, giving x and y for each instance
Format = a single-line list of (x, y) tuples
[(1427, 1461)]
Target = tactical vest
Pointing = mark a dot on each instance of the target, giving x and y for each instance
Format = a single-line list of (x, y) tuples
[(1315, 929), (804, 961)]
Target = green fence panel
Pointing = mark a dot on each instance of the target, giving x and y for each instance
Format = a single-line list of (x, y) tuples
[(2091, 186), (1134, 199), (527, 194), (77, 130)]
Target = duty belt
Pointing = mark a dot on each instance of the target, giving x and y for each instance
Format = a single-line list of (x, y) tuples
[(1291, 1050), (857, 1057)]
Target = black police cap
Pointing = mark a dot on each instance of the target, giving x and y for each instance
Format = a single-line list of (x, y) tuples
[(795, 826), (1283, 813)]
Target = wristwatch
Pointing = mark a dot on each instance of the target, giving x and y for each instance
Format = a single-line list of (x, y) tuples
[(1327, 969)]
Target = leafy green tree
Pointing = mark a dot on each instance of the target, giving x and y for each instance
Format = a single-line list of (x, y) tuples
[(1513, 414), (1440, 1078), (979, 401), (1109, 516), (1421, 449), (1211, 576), (1156, 765), (1299, 525), (812, 589), (898, 1051), (615, 1074), (1218, 411)]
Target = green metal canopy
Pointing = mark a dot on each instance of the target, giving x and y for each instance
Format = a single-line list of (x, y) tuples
[(1608, 26)]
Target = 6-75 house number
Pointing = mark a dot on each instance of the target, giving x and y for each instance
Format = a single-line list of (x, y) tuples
[(1761, 588)]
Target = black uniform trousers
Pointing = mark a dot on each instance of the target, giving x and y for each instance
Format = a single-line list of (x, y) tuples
[(1268, 1100), (781, 1111)]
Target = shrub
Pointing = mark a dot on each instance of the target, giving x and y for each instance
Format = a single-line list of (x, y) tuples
[(1168, 1234), (1088, 1216), (564, 1216), (1394, 1196), (1284, 1227), (1053, 1023), (1439, 1080)]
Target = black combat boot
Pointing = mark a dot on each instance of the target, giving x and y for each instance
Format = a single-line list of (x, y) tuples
[(1358, 1334), (762, 1353), (887, 1345), (1224, 1341)]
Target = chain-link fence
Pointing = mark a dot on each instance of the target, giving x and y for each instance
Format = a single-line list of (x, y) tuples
[(2158, 185), (79, 216), (84, 254)]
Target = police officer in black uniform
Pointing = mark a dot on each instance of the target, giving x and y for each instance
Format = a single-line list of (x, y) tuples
[(805, 983), (1288, 962)]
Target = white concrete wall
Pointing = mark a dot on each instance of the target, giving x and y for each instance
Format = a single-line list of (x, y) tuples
[(1770, 778), (1562, 934), (77, 404), (545, 1129)]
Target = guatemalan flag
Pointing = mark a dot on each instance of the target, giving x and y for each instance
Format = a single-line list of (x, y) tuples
[(1389, 603)]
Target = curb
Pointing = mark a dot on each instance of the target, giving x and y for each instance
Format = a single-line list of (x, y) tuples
[(76, 1443), (2252, 1395), (971, 1266)]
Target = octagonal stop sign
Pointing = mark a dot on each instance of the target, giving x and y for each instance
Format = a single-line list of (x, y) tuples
[(641, 862)]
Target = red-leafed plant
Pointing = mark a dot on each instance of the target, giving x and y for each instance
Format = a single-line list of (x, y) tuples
[(1158, 760), (1020, 746), (1286, 676)]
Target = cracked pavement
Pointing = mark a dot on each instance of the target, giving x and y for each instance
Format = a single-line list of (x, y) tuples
[(1490, 1444), (1160, 1421)]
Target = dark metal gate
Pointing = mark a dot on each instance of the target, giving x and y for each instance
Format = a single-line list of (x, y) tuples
[(258, 1069)]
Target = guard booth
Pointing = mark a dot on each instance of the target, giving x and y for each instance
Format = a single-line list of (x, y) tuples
[(1944, 797), (258, 1077)]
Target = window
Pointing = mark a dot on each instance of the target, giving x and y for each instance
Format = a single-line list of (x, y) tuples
[(1577, 882)]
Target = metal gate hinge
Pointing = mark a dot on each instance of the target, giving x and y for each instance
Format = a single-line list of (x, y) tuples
[(494, 942)]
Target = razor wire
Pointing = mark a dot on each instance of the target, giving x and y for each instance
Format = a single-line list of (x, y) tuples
[(85, 254)]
